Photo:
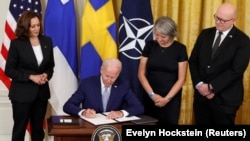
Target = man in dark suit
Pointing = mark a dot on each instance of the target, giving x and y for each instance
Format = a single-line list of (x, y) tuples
[(88, 98), (218, 78)]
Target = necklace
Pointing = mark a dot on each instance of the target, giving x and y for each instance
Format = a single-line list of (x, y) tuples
[(163, 49)]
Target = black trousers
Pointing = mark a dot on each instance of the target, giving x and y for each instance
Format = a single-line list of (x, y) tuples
[(25, 112), (167, 115), (207, 112)]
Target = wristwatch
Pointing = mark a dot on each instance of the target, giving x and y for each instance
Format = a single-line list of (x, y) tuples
[(211, 90)]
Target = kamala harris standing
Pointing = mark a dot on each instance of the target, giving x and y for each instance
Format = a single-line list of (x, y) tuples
[(30, 65)]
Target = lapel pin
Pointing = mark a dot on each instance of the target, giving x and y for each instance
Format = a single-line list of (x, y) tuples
[(230, 36)]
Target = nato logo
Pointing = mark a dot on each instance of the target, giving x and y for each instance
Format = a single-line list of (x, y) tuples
[(133, 34)]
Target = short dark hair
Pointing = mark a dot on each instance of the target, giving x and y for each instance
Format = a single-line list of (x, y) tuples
[(24, 22)]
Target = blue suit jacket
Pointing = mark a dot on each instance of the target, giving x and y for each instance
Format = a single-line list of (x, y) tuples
[(88, 95)]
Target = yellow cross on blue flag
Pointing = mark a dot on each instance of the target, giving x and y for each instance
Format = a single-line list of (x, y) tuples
[(98, 36)]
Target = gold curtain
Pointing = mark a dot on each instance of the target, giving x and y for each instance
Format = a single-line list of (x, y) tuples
[(191, 17)]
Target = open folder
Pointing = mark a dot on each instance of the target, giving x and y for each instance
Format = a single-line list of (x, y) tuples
[(144, 119), (102, 119)]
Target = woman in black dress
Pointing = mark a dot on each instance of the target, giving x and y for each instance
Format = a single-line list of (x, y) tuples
[(162, 72)]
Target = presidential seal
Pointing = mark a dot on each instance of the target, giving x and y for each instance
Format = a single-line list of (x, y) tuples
[(106, 133)]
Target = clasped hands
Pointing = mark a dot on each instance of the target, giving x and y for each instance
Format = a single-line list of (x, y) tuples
[(39, 79), (203, 90), (91, 113), (159, 100)]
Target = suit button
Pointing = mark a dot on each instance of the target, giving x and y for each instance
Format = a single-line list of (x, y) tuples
[(208, 67)]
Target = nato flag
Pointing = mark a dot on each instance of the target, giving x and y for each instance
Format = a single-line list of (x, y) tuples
[(135, 28)]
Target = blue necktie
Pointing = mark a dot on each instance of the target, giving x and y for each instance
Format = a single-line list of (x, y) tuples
[(105, 98)]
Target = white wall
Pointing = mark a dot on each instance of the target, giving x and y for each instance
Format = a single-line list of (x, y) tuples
[(5, 106), (6, 121)]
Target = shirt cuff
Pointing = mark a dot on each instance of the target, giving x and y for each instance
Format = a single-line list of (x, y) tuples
[(199, 84), (125, 113), (80, 113)]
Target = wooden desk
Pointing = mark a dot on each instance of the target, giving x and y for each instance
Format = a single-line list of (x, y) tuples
[(78, 130)]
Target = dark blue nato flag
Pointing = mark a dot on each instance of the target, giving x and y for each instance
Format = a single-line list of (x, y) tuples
[(135, 28)]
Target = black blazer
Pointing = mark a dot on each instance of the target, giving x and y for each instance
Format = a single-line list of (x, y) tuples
[(21, 63), (225, 71)]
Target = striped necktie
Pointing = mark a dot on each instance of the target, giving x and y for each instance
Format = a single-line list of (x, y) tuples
[(216, 44)]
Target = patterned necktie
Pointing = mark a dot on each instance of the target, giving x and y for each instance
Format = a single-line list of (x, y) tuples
[(216, 44), (105, 98)]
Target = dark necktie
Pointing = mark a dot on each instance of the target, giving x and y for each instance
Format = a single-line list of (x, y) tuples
[(216, 44), (105, 98)]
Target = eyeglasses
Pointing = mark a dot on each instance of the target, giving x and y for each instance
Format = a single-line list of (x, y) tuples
[(221, 20)]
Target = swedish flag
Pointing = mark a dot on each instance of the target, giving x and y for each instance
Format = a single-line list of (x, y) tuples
[(98, 36)]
